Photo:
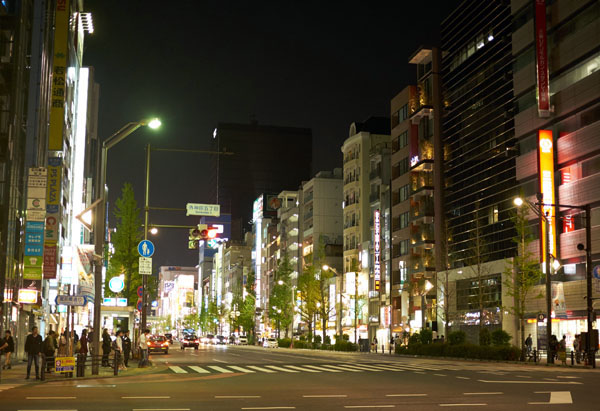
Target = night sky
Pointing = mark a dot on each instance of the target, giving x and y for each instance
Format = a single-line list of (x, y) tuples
[(320, 65)]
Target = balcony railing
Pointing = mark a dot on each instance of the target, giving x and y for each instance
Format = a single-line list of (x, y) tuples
[(373, 197), (308, 196)]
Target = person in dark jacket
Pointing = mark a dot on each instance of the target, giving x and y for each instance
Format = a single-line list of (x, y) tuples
[(106, 344), (33, 348), (7, 346), (126, 347), (50, 347)]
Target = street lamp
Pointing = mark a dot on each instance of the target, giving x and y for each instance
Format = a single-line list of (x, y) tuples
[(99, 223), (588, 250), (154, 231)]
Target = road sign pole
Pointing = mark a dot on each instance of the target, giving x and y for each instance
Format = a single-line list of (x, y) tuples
[(146, 210)]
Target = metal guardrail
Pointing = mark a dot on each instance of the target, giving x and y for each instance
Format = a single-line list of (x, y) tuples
[(82, 362)]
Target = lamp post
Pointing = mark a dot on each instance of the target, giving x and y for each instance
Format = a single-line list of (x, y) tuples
[(339, 315), (100, 227), (588, 250)]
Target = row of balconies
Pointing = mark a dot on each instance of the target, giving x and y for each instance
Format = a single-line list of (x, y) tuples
[(350, 156)]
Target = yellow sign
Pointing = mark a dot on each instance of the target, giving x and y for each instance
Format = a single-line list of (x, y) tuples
[(27, 296), (64, 364), (546, 177), (59, 76)]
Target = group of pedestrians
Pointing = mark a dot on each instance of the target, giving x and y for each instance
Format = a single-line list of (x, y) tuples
[(121, 346)]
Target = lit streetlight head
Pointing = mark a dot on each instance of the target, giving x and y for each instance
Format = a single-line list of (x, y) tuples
[(153, 230), (518, 201), (154, 123), (325, 267), (280, 282)]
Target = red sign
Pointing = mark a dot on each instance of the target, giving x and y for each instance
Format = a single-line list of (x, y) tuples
[(49, 262), (541, 47), (568, 225), (546, 178)]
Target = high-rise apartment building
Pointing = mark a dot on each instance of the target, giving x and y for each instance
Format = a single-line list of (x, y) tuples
[(265, 159), (358, 220)]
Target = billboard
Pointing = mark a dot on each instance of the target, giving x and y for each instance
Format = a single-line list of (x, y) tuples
[(546, 179), (541, 54)]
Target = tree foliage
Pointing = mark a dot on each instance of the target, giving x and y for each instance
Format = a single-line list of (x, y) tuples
[(125, 239), (308, 287), (281, 308), (523, 273)]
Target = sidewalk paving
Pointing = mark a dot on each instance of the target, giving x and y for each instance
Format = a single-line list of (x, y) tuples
[(18, 372)]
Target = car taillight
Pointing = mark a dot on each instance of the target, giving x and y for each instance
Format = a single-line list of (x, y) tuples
[(165, 344), (197, 341), (148, 343)]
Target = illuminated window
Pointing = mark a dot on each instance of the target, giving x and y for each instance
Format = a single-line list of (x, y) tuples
[(494, 214)]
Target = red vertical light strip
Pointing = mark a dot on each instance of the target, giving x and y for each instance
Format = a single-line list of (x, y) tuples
[(541, 46)]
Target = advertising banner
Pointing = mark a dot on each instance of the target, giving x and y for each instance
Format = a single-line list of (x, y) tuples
[(541, 48), (559, 305), (376, 249), (50, 261), (64, 364), (59, 75)]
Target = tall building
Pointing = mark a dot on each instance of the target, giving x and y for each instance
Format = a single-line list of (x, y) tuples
[(358, 221), (265, 159), (321, 225), (479, 184), (560, 117)]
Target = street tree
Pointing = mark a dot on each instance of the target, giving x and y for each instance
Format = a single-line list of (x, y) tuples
[(308, 287), (324, 305), (125, 241), (281, 308), (443, 278), (523, 273), (247, 318)]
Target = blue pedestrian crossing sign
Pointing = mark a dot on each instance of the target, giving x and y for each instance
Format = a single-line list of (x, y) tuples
[(146, 248)]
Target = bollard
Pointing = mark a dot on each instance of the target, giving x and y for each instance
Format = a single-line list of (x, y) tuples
[(572, 357), (116, 364), (535, 356), (383, 349)]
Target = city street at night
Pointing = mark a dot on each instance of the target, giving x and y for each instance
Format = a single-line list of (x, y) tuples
[(234, 378)]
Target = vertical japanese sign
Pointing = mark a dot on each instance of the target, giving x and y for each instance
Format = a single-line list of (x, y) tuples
[(541, 49), (413, 131), (59, 76), (377, 249), (546, 177), (568, 224), (34, 227)]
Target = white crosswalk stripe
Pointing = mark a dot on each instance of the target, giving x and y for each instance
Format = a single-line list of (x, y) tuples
[(275, 367), (301, 369), (342, 367), (254, 367), (364, 367), (220, 369), (5, 387), (315, 367), (241, 369), (199, 370), (177, 370)]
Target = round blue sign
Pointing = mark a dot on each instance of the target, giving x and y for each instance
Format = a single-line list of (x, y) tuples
[(146, 248), (139, 305), (116, 284)]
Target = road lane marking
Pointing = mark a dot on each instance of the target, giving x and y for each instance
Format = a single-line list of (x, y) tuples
[(237, 396), (274, 367), (369, 406), (50, 398), (177, 370), (47, 410), (95, 386), (341, 367), (364, 367), (420, 372), (199, 370), (269, 408), (463, 378), (567, 376), (326, 396), (406, 395), (464, 405), (220, 369), (523, 376), (440, 375), (483, 393), (241, 369), (300, 368), (532, 382), (221, 361), (550, 379), (257, 368), (321, 368), (160, 409), (556, 397), (156, 397), (386, 368)]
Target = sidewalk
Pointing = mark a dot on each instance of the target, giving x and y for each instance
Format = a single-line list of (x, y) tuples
[(18, 372)]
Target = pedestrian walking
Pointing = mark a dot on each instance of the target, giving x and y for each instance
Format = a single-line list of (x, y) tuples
[(391, 344), (562, 350), (528, 345), (7, 347), (63, 348), (83, 352), (118, 348), (143, 345), (33, 348), (106, 343), (50, 347), (552, 348), (375, 343), (126, 347), (577, 348)]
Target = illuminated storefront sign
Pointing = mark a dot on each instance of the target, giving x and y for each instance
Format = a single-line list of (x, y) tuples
[(541, 48), (59, 76), (27, 296), (568, 224), (546, 178), (377, 249)]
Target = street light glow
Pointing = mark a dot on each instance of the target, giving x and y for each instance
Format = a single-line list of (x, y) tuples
[(325, 267), (518, 201), (153, 230), (154, 123)]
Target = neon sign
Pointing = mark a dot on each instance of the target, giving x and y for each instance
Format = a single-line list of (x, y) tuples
[(377, 249), (546, 177)]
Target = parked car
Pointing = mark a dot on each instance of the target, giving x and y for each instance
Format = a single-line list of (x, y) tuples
[(271, 343), (158, 343), (189, 341), (242, 340), (220, 340)]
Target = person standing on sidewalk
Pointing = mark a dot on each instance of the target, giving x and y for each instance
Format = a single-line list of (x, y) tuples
[(118, 347), (562, 350), (126, 348), (528, 345), (7, 347), (144, 348), (50, 347), (33, 348), (106, 343)]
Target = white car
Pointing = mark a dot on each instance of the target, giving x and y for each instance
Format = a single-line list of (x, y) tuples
[(271, 343), (242, 340)]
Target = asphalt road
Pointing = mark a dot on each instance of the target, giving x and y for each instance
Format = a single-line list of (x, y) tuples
[(254, 378)]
